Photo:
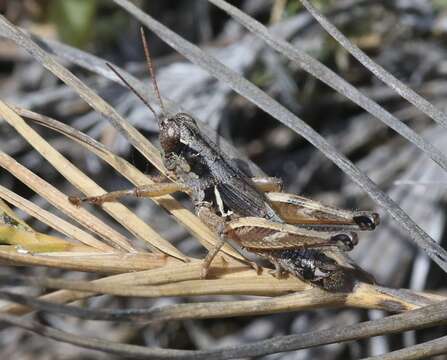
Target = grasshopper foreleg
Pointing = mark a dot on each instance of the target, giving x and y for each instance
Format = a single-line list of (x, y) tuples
[(157, 189)]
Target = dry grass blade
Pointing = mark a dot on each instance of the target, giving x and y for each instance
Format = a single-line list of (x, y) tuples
[(14, 238), (272, 107), (21, 245), (92, 261), (59, 200), (168, 274), (296, 302), (428, 316), (423, 105), (52, 220), (172, 272), (329, 77), (364, 296), (258, 286), (184, 216), (132, 223)]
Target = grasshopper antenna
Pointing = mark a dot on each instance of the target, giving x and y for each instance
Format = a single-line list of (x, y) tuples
[(150, 67), (145, 102)]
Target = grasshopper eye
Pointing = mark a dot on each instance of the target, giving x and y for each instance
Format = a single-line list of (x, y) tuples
[(367, 221), (345, 242)]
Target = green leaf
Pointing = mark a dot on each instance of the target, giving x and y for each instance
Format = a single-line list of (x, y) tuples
[(74, 19)]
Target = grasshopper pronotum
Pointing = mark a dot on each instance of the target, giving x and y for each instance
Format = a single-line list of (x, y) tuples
[(299, 235)]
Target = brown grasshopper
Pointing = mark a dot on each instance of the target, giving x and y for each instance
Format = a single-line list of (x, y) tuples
[(296, 234)]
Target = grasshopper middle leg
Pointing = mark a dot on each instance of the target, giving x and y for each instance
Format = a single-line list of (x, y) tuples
[(215, 222)]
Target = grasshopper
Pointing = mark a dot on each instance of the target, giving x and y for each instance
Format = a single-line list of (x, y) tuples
[(296, 234)]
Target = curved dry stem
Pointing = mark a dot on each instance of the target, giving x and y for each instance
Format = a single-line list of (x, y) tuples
[(296, 302)]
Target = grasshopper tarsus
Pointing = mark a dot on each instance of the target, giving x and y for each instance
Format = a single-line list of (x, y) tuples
[(278, 271), (95, 200), (75, 200), (255, 267)]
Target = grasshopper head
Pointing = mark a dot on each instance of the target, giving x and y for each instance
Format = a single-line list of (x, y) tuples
[(176, 131)]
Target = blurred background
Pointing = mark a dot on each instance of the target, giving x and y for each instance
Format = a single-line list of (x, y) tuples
[(408, 38)]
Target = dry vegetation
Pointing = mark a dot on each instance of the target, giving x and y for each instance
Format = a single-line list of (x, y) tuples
[(133, 269)]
